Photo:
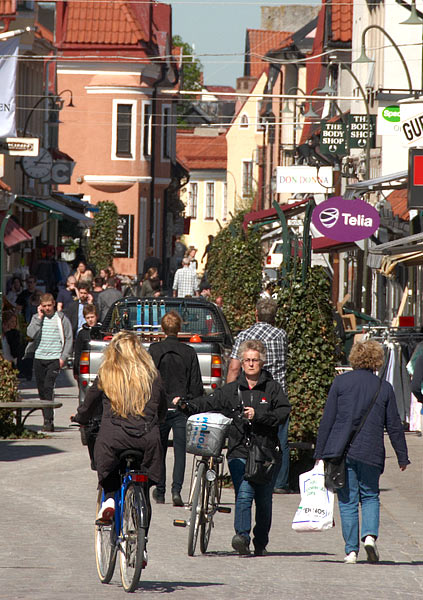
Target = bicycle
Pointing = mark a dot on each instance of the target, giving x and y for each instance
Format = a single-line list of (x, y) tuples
[(128, 532), (204, 498)]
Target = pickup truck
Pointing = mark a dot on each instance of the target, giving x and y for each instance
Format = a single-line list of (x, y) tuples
[(204, 327)]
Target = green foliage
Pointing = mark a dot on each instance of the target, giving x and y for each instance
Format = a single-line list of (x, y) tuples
[(190, 78), (8, 393), (103, 235), (306, 315), (234, 270)]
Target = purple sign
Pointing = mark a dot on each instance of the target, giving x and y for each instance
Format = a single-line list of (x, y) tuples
[(345, 220)]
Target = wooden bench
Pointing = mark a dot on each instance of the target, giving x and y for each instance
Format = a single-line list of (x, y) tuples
[(27, 405)]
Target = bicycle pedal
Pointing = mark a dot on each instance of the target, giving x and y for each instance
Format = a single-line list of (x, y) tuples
[(179, 523), (224, 509)]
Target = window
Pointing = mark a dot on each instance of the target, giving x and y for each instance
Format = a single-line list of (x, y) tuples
[(225, 202), (166, 132), (209, 200), (146, 130), (123, 129), (247, 178), (192, 200)]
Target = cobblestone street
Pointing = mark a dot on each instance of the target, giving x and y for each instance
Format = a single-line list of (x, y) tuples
[(47, 551)]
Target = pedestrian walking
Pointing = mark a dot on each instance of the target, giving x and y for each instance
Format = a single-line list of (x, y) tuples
[(180, 371), (51, 344), (350, 396), (67, 294), (107, 297), (276, 343), (74, 310), (257, 405), (186, 281)]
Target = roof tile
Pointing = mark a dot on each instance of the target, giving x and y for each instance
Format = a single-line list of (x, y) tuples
[(398, 201), (342, 21), (7, 7), (201, 152), (102, 23), (260, 41)]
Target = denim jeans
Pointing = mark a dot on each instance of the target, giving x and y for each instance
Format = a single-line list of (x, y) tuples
[(175, 421), (282, 479), (362, 486), (245, 493)]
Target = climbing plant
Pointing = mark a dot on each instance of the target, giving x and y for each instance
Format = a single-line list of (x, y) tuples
[(305, 312), (8, 393), (103, 235), (234, 270)]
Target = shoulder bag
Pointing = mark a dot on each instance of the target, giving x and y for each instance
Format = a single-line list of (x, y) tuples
[(335, 472)]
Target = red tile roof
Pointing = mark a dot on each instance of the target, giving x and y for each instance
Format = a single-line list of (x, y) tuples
[(259, 42), (110, 23), (342, 21), (201, 152), (7, 7), (398, 201)]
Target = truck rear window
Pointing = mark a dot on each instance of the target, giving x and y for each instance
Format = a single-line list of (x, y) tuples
[(145, 316)]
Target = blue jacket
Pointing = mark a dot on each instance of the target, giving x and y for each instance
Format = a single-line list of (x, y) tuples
[(348, 399)]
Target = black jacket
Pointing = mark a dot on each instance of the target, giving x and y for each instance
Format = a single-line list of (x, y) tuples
[(81, 343), (270, 404), (179, 368), (72, 313)]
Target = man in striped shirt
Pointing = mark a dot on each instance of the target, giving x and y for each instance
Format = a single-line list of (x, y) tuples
[(51, 344)]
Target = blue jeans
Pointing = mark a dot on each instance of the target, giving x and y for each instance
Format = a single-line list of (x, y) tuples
[(362, 485), (282, 479), (177, 422), (245, 493)]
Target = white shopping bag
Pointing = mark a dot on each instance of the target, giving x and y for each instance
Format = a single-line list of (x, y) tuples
[(315, 512)]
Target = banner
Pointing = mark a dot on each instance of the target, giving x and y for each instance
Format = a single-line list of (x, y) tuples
[(304, 180), (345, 220), (8, 64)]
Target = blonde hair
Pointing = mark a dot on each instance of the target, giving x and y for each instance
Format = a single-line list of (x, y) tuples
[(126, 374), (366, 355)]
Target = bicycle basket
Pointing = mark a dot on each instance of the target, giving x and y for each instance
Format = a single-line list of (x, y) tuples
[(206, 433)]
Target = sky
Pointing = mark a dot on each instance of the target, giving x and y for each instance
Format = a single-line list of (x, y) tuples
[(218, 27)]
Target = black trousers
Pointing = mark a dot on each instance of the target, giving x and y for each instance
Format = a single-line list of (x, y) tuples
[(46, 372), (177, 422)]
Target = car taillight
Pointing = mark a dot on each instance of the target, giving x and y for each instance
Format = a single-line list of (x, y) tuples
[(269, 260), (107, 338), (84, 363), (216, 366)]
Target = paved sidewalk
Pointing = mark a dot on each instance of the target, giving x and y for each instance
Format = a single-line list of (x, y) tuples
[(47, 505)]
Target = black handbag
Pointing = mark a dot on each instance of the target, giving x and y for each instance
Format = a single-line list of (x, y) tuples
[(261, 460), (335, 468)]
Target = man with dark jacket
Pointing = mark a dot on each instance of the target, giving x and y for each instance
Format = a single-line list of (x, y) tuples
[(107, 297), (180, 371), (74, 310)]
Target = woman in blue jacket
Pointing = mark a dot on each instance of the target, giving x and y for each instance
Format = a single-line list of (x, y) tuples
[(349, 397)]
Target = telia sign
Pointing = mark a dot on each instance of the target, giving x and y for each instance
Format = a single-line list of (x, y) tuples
[(345, 220)]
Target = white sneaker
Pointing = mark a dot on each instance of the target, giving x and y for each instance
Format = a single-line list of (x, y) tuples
[(371, 549), (351, 558), (107, 511)]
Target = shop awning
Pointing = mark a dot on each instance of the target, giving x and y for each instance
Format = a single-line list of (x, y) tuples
[(384, 182), (75, 199), (269, 215), (50, 205), (321, 245), (14, 233), (410, 243)]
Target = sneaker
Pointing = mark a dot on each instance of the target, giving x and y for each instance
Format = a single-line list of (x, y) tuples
[(158, 497), (351, 558), (371, 549), (241, 544), (282, 491), (144, 559), (106, 512), (258, 551)]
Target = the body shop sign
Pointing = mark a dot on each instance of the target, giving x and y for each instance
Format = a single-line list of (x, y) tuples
[(345, 220), (303, 180)]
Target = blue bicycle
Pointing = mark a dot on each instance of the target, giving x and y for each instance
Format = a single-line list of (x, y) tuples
[(128, 533)]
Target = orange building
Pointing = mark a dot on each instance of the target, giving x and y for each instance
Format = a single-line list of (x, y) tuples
[(115, 58)]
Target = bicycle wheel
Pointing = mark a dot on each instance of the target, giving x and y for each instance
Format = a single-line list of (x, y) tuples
[(196, 509), (209, 509), (105, 547), (133, 538)]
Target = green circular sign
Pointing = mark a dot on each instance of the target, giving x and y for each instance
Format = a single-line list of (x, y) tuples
[(391, 114)]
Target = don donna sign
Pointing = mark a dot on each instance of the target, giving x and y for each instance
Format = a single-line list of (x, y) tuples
[(304, 180), (345, 220)]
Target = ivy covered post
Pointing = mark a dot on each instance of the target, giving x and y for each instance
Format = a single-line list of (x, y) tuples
[(103, 235), (234, 270), (8, 393), (305, 312)]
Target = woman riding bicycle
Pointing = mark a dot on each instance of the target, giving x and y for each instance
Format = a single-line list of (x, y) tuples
[(258, 405), (134, 403)]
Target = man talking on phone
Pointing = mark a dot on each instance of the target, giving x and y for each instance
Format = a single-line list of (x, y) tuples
[(51, 344)]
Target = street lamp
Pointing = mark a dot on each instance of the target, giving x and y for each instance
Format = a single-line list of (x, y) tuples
[(310, 114), (363, 58)]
